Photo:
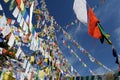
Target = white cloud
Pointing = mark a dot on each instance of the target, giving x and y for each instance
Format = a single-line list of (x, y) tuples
[(78, 28), (100, 71), (106, 13), (117, 33), (71, 59)]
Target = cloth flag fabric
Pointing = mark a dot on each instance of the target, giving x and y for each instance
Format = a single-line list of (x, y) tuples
[(15, 12), (80, 10), (41, 74), (93, 29), (19, 18), (104, 35), (22, 5), (6, 31), (31, 14), (1, 7), (1, 11), (18, 2), (114, 52), (25, 63), (6, 1), (11, 40), (1, 50), (19, 51), (32, 58)]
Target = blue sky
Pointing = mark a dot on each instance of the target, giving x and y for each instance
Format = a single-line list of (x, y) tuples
[(108, 13)]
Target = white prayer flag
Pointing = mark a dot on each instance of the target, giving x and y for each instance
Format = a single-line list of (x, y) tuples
[(13, 21), (21, 22), (15, 12), (3, 21), (25, 63), (72, 69), (22, 76), (27, 19), (1, 50), (25, 27), (22, 55), (1, 7), (28, 67), (92, 59), (31, 14), (11, 40), (18, 52), (6, 31), (80, 10), (19, 18), (34, 43)]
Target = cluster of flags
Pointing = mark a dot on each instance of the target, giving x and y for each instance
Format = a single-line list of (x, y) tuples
[(83, 50), (28, 46), (88, 17)]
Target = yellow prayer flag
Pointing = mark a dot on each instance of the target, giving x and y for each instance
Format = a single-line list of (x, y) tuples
[(46, 60), (6, 1), (7, 75), (1, 16), (22, 5), (32, 58), (37, 11), (47, 71), (41, 74)]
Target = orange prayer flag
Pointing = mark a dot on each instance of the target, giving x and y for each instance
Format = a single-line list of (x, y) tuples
[(9, 21), (4, 51), (93, 29)]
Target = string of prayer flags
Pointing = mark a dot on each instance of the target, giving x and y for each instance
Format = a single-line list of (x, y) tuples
[(75, 54), (46, 56), (82, 49), (19, 37)]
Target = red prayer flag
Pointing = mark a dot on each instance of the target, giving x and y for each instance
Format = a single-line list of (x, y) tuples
[(18, 2), (93, 29)]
